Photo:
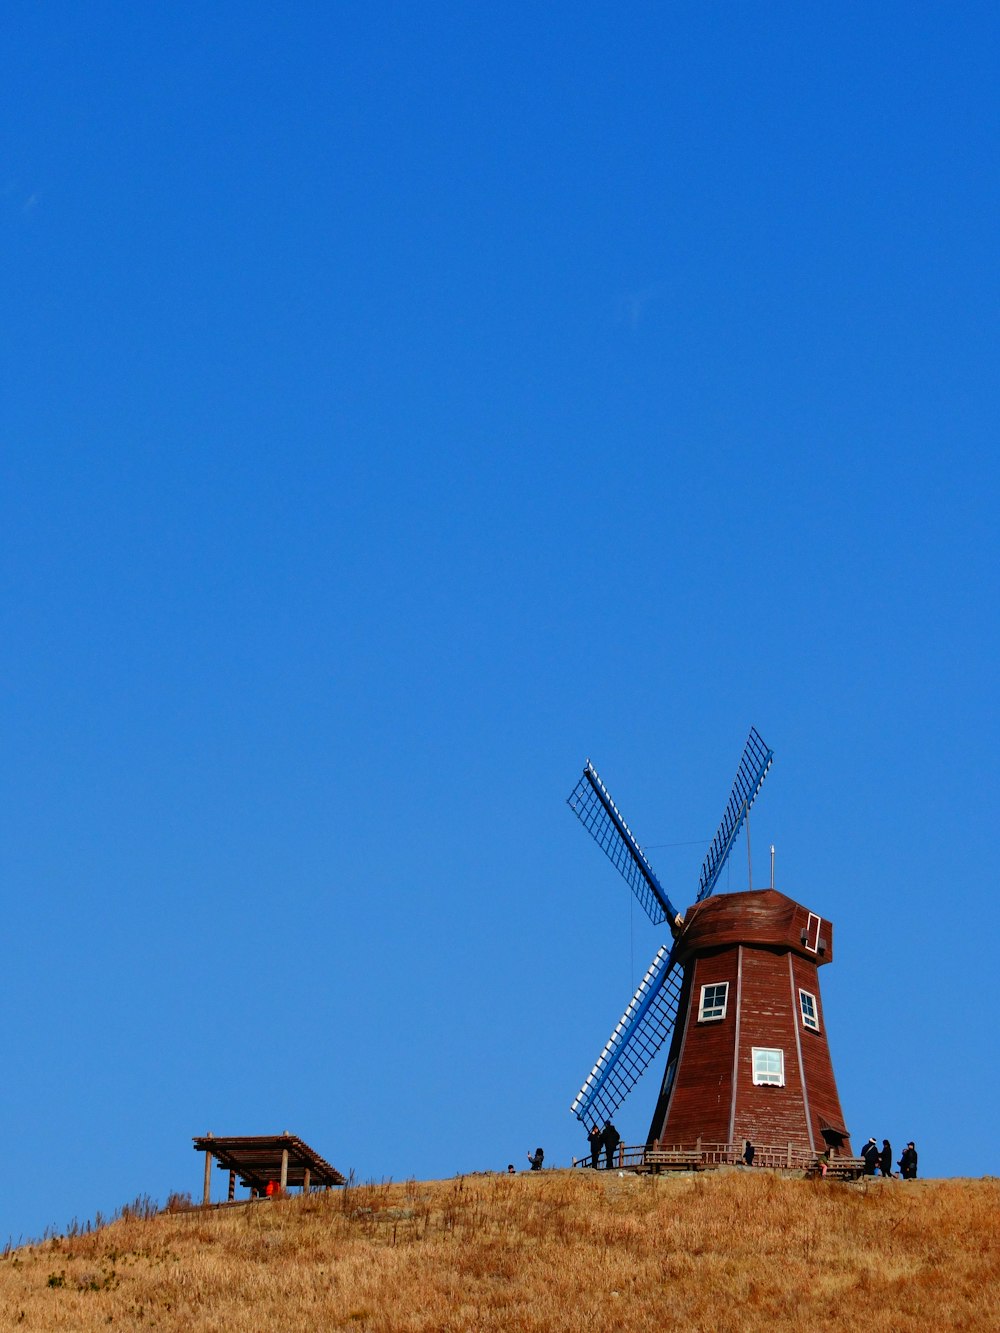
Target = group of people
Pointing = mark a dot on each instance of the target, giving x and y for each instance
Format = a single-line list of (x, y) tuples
[(876, 1159), (880, 1159), (606, 1140)]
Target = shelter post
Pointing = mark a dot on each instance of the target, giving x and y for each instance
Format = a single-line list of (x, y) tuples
[(206, 1197)]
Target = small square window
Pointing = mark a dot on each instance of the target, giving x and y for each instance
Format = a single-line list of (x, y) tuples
[(714, 999), (810, 1016), (768, 1066)]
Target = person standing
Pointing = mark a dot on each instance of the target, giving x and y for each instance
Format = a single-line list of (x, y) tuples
[(908, 1162), (885, 1159), (594, 1138), (611, 1139), (870, 1155), (536, 1159)]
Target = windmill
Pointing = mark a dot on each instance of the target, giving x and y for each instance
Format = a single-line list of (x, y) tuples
[(735, 990)]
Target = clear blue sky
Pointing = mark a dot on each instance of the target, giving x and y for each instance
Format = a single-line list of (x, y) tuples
[(400, 404)]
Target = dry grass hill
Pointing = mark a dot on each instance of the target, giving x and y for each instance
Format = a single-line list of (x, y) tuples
[(556, 1250)]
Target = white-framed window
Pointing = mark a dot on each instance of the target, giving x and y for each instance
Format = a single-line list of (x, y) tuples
[(810, 1014), (813, 923), (769, 1066), (714, 999)]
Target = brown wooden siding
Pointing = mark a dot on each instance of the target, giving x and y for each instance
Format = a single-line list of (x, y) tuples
[(824, 1101), (768, 1114), (702, 1096)]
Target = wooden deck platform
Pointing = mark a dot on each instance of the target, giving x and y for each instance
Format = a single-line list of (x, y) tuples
[(671, 1159), (702, 1156), (839, 1168)]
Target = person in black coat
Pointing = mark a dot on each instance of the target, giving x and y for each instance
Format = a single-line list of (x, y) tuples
[(908, 1162), (870, 1154), (610, 1139), (536, 1159), (885, 1158), (595, 1138)]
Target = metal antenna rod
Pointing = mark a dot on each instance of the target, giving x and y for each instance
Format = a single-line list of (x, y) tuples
[(772, 865)]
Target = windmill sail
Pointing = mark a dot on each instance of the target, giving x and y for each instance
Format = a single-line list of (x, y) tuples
[(652, 1013), (750, 777), (643, 1028), (591, 802)]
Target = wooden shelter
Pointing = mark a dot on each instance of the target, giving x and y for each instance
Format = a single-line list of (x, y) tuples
[(259, 1160)]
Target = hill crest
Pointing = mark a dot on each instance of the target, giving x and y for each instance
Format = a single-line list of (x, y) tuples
[(552, 1250)]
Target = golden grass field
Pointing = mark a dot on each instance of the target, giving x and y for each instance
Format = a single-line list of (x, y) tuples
[(554, 1250)]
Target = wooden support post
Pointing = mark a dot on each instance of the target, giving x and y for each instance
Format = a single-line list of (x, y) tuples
[(232, 1186), (789, 1158), (698, 1147), (306, 1178), (284, 1169), (206, 1197)]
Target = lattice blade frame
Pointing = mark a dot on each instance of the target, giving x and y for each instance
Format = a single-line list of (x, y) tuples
[(643, 1028), (591, 802), (750, 775)]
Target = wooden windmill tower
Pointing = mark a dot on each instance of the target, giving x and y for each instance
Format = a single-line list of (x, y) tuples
[(736, 992)]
